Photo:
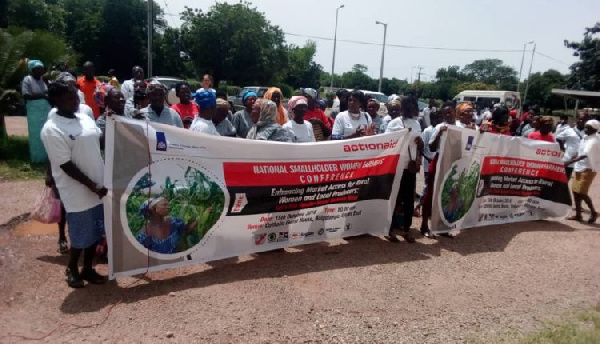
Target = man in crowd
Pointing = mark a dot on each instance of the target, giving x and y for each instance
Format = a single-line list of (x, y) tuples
[(157, 111), (128, 88), (88, 84)]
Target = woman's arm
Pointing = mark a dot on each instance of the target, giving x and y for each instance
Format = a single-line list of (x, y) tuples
[(433, 146), (74, 172)]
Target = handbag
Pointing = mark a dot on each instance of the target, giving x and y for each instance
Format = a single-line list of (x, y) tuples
[(47, 208), (413, 165)]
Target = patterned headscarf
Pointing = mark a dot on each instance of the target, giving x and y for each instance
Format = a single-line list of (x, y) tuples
[(282, 117), (148, 206), (296, 100), (462, 107), (206, 99), (268, 114)]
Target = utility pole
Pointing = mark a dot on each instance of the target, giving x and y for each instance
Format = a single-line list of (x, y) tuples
[(334, 44), (150, 32), (418, 79), (382, 52), (529, 74)]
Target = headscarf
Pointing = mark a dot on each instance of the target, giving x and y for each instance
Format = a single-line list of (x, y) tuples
[(393, 97), (34, 64), (247, 95), (148, 206), (322, 104), (66, 77), (295, 101), (547, 120), (268, 114), (222, 104), (206, 99), (595, 124), (462, 107), (282, 117), (394, 101), (310, 92)]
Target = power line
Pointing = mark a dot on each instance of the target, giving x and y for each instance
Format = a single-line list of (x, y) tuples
[(551, 58), (410, 46)]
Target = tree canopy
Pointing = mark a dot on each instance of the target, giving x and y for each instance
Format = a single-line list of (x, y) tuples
[(585, 74)]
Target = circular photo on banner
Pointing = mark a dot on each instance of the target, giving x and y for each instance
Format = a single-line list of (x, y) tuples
[(459, 188), (171, 207)]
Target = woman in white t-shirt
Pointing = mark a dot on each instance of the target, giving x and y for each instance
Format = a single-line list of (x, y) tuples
[(72, 141), (405, 200), (301, 130), (353, 123)]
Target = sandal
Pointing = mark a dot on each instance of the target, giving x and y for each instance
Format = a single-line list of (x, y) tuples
[(74, 279), (575, 218)]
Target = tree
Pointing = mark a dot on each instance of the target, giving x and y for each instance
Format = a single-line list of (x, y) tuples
[(302, 70), (357, 78), (585, 74), (168, 58), (36, 15), (235, 43), (492, 72), (540, 89)]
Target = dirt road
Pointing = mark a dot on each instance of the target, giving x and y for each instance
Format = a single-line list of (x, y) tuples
[(482, 283)]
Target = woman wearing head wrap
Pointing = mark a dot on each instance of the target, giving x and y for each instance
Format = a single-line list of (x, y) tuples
[(544, 130), (265, 127), (220, 120), (35, 92), (587, 165), (274, 94), (314, 114), (301, 129), (464, 113), (161, 233), (242, 120), (203, 123)]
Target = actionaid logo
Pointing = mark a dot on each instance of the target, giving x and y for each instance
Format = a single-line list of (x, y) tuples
[(369, 146), (549, 152)]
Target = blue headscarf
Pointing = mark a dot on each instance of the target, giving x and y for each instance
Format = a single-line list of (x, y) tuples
[(34, 64), (247, 95), (206, 99)]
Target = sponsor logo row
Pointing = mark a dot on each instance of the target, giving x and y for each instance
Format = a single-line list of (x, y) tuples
[(284, 236)]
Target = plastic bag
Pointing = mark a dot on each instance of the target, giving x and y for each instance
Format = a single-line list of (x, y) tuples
[(47, 208)]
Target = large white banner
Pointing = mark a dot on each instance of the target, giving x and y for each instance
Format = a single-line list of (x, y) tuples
[(487, 179), (177, 197)]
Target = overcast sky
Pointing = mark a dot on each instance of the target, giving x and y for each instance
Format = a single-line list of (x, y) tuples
[(470, 24)]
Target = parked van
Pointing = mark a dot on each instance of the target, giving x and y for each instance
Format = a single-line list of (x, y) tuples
[(487, 99)]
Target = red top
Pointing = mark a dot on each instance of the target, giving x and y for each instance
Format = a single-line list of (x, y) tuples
[(88, 87), (536, 135), (318, 114), (506, 132), (186, 111)]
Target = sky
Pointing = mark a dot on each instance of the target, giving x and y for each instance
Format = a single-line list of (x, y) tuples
[(463, 24)]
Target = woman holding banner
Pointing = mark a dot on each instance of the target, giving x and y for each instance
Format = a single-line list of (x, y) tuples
[(242, 120), (405, 200), (587, 164)]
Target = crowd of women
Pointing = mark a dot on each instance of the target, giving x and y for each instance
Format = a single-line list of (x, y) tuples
[(67, 118)]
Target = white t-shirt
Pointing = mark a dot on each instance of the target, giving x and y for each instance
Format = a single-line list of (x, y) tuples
[(427, 116), (128, 88), (426, 136), (345, 125), (400, 123), (77, 140), (301, 132), (590, 147), (561, 127), (572, 139), (202, 125)]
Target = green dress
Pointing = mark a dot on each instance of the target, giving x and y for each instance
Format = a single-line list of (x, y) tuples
[(37, 113)]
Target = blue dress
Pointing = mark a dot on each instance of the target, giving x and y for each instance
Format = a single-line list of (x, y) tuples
[(167, 245)]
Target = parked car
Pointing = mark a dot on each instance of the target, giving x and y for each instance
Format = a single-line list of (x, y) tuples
[(169, 83), (237, 99)]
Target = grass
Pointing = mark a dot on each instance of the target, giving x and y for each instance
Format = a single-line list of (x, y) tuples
[(14, 161), (582, 328)]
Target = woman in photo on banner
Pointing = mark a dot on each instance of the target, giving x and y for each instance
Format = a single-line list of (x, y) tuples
[(35, 93)]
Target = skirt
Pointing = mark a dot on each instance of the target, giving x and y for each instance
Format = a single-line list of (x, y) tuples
[(37, 113), (86, 228), (582, 182)]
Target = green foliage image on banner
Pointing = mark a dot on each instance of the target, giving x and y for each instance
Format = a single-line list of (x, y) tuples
[(458, 190)]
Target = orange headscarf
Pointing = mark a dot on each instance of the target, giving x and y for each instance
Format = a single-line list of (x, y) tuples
[(462, 107), (282, 117)]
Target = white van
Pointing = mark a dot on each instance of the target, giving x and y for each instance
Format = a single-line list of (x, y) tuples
[(487, 99)]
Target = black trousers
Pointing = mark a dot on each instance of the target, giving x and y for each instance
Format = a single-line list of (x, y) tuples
[(406, 197)]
